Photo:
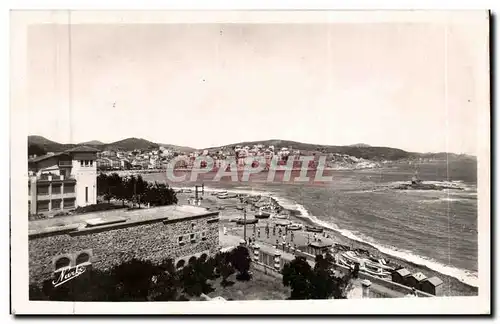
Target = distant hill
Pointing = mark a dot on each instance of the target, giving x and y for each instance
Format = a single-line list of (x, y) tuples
[(178, 148), (92, 143), (130, 144), (39, 145), (40, 140), (365, 152)]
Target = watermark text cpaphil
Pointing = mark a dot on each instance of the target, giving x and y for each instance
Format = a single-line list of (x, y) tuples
[(294, 169)]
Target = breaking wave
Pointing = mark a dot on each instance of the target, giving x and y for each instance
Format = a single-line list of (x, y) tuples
[(465, 276), (445, 199), (452, 199)]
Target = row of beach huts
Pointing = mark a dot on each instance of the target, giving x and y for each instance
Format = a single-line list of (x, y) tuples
[(419, 281)]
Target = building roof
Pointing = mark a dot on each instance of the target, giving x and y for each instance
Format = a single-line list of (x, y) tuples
[(403, 272), (77, 149), (419, 276), (171, 213), (44, 157), (435, 281), (320, 244), (83, 149)]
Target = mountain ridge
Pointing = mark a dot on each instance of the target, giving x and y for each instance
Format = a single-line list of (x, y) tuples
[(365, 151), (94, 142), (376, 153), (40, 145)]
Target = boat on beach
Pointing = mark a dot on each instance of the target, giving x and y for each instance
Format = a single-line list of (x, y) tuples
[(294, 227), (314, 229), (226, 196), (379, 269), (242, 221), (281, 216), (262, 214), (341, 247), (283, 223)]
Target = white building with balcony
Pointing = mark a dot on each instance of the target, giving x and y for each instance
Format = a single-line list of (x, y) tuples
[(62, 181)]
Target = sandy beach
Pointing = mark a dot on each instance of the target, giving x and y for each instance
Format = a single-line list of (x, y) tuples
[(231, 233)]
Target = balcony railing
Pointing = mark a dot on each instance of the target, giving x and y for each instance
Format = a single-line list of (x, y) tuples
[(55, 177), (63, 195)]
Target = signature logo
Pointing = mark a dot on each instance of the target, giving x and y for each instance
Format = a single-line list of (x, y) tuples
[(68, 274)]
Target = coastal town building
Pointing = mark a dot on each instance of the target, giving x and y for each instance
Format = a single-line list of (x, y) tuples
[(433, 286), (103, 240), (108, 163), (103, 163), (317, 248), (62, 181), (400, 276), (415, 280)]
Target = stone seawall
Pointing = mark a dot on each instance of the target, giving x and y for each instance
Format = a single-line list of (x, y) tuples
[(148, 241)]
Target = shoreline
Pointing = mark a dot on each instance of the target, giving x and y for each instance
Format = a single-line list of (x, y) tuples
[(453, 286), (204, 171)]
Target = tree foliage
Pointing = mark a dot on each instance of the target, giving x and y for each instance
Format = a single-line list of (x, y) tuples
[(36, 150), (134, 279), (297, 275), (223, 267), (194, 278), (134, 190), (240, 259), (320, 282)]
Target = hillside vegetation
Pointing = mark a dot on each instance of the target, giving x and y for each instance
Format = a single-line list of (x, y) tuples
[(40, 145), (360, 151)]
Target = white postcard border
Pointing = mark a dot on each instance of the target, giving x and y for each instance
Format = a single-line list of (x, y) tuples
[(19, 132)]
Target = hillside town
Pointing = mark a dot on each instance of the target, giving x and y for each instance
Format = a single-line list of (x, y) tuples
[(159, 158)]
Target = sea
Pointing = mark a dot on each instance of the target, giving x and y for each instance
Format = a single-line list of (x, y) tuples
[(432, 228)]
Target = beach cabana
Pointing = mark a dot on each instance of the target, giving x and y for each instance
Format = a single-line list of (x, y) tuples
[(433, 286), (400, 276), (415, 279), (316, 248)]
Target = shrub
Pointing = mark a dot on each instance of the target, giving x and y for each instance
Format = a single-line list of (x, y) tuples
[(317, 283), (240, 259), (135, 190)]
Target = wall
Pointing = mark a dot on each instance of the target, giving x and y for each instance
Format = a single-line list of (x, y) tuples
[(152, 240), (53, 198), (32, 195), (85, 176), (258, 266)]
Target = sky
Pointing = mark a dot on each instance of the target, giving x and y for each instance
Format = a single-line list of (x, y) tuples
[(404, 85)]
